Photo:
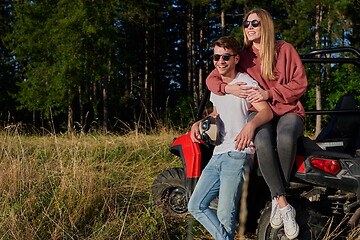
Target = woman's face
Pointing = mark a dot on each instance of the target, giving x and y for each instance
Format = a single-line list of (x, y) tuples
[(253, 33)]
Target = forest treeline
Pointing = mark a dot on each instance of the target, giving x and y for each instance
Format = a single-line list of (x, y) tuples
[(115, 64)]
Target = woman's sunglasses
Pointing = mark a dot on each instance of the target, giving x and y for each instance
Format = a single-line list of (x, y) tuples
[(225, 57), (254, 23)]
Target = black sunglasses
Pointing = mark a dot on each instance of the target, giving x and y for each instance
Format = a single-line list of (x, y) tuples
[(225, 57), (254, 23), (205, 138), (205, 126)]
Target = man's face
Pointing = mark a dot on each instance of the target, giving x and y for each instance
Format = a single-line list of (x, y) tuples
[(225, 67)]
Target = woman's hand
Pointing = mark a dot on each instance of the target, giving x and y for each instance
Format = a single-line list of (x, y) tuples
[(257, 95), (238, 89)]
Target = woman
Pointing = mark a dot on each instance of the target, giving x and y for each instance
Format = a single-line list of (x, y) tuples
[(278, 69)]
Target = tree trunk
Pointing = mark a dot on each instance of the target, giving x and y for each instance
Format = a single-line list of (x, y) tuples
[(207, 63), (156, 90), (319, 16), (327, 67), (195, 81), (146, 71), (81, 107), (106, 97), (201, 65), (223, 22), (70, 125), (105, 105), (33, 117), (147, 84), (189, 41), (329, 24), (94, 100)]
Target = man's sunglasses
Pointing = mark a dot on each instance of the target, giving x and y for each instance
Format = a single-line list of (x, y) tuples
[(254, 23), (225, 57)]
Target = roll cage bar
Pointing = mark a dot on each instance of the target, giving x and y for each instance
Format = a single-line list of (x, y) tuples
[(309, 57)]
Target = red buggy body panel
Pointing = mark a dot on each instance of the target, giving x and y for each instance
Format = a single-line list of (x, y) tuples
[(190, 153), (194, 158)]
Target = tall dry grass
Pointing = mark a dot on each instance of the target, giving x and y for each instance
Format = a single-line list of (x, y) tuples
[(84, 187), (88, 187)]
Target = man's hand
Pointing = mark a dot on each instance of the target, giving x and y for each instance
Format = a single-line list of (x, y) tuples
[(257, 96), (238, 89), (244, 138), (195, 132)]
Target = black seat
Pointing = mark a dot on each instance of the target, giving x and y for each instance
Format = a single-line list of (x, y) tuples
[(343, 127)]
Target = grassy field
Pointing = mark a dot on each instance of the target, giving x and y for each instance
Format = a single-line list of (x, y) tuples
[(86, 187)]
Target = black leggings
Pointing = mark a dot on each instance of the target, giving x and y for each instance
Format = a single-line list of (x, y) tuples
[(276, 144)]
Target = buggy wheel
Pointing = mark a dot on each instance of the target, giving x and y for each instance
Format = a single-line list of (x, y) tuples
[(169, 192)]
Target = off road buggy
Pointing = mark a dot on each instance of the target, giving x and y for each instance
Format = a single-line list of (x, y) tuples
[(325, 184)]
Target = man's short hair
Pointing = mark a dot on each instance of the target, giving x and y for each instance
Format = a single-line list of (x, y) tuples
[(228, 42)]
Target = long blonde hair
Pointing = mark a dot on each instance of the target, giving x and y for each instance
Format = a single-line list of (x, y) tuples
[(268, 54)]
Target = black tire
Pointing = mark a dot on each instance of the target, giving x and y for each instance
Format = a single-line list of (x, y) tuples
[(169, 192), (311, 222)]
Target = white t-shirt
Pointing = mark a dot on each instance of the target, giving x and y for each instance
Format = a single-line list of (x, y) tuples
[(233, 113)]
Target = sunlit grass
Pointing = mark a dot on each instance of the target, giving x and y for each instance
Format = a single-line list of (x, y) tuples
[(84, 187), (88, 187)]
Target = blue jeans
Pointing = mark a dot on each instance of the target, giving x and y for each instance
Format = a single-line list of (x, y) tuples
[(223, 177)]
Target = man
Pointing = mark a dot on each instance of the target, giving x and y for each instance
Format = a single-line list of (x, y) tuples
[(223, 175)]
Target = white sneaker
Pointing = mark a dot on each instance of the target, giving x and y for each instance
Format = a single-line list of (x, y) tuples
[(276, 221), (291, 228)]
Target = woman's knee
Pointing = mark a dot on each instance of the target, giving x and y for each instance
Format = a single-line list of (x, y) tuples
[(263, 138), (289, 128), (287, 139)]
